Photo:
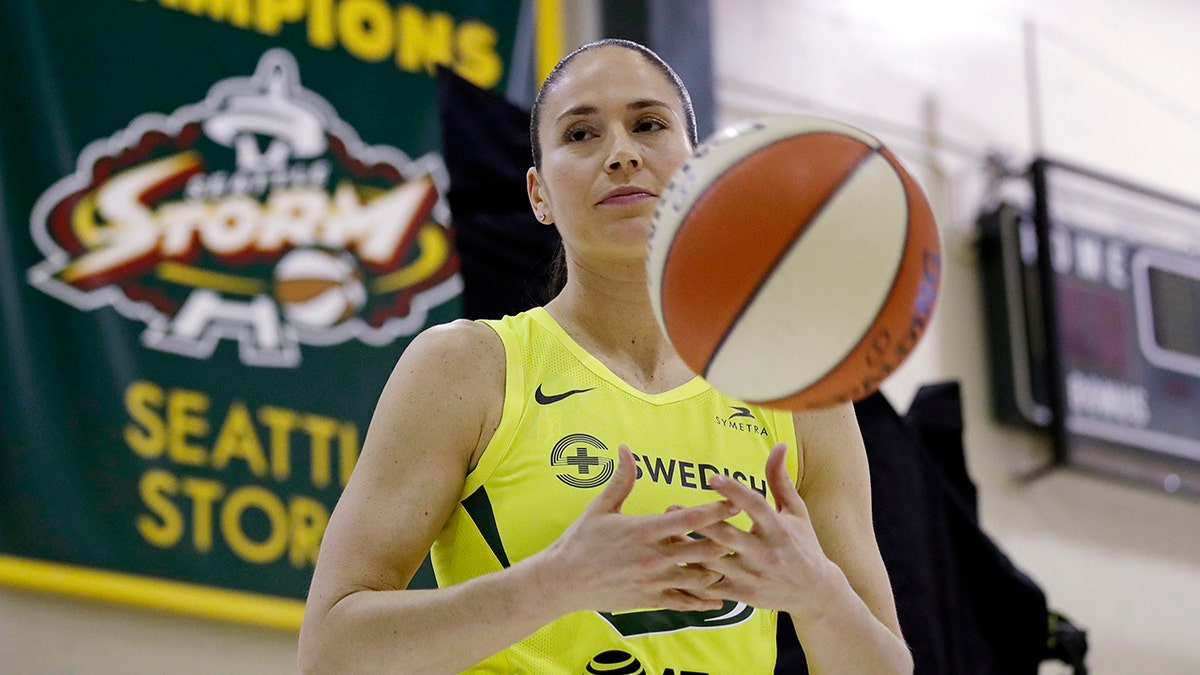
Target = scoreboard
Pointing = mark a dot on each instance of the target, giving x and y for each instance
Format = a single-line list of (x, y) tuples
[(1093, 290)]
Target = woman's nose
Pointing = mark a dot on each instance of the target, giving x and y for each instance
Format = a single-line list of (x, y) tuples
[(623, 155), (626, 158)]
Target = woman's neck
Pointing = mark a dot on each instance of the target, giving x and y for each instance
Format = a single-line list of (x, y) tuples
[(613, 321)]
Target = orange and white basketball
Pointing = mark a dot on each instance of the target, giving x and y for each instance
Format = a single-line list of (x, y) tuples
[(317, 289), (794, 262)]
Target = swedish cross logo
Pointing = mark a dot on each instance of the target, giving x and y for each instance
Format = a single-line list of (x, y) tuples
[(586, 469), (256, 216)]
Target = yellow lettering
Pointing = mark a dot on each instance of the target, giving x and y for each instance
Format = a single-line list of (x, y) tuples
[(148, 437), (247, 497), (204, 493), (185, 420), (164, 531), (295, 525), (320, 24), (272, 14), (309, 518), (175, 424), (193, 6), (320, 430), (279, 422), (478, 61), (237, 438), (236, 12), (423, 42), (417, 39), (366, 28)]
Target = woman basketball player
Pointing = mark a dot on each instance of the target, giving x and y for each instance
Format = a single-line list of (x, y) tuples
[(591, 505)]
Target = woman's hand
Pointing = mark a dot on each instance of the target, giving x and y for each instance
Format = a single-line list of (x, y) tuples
[(610, 561), (778, 563)]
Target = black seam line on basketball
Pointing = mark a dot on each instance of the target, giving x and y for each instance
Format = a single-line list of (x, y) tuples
[(662, 287), (545, 399), (762, 279)]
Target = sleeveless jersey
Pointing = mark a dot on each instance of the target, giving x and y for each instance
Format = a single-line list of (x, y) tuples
[(553, 451)]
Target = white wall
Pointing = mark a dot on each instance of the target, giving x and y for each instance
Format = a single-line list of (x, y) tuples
[(945, 82)]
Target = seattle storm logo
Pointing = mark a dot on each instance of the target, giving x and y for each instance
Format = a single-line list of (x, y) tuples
[(256, 216)]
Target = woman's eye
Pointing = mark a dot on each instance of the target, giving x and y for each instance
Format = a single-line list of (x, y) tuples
[(577, 134), (649, 124)]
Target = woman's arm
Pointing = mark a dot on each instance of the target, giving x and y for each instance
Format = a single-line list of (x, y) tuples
[(816, 558), (438, 406), (860, 619), (436, 413)]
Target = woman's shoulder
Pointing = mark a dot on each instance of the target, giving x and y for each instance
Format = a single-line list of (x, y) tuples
[(462, 348), (459, 363), (837, 419), (455, 371), (459, 334), (829, 438)]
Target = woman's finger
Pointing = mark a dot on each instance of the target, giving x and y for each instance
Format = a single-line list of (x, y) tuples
[(753, 503), (684, 601), (619, 486), (729, 538), (684, 520), (781, 483), (696, 551)]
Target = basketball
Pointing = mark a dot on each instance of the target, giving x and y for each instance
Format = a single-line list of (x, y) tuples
[(317, 289), (794, 262)]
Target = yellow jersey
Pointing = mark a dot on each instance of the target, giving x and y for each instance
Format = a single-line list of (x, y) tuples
[(553, 451)]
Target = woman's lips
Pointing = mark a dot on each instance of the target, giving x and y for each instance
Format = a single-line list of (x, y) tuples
[(627, 195)]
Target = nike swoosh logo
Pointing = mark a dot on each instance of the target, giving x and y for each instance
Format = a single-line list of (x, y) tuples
[(555, 398)]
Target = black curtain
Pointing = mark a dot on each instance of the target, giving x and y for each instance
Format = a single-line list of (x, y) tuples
[(505, 253)]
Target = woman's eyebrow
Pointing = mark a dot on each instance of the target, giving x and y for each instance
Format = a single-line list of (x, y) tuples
[(579, 110), (647, 103), (640, 104)]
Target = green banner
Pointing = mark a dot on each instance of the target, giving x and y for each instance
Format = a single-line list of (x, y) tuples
[(221, 223)]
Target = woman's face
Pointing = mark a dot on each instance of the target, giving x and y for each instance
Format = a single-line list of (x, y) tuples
[(612, 132)]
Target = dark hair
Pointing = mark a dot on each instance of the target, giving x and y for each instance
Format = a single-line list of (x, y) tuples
[(651, 58)]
